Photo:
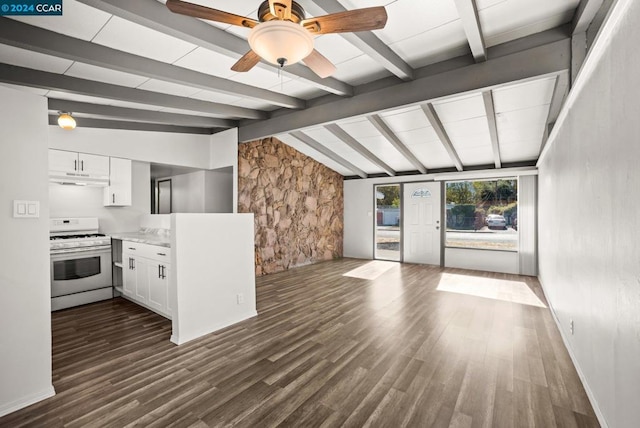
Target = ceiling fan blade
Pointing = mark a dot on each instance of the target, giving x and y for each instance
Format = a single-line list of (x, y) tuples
[(370, 18), (197, 11), (319, 64), (280, 8), (247, 62)]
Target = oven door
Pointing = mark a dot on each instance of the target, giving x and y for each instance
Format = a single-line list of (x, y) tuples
[(78, 270)]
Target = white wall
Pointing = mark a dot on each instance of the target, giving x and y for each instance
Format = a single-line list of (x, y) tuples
[(187, 192), (202, 191), (486, 260), (25, 293), (212, 260), (589, 255), (224, 153), (218, 191), (84, 201), (155, 147)]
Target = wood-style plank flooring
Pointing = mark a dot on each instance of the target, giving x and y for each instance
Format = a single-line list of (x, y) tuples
[(325, 350)]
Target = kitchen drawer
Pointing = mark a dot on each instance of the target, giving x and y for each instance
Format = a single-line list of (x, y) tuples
[(153, 252)]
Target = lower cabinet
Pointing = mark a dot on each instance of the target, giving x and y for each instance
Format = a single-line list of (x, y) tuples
[(158, 280), (146, 276)]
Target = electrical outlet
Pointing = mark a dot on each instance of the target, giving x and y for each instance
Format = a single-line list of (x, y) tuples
[(240, 298), (571, 327)]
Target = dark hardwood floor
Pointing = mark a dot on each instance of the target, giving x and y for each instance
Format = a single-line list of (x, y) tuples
[(325, 350)]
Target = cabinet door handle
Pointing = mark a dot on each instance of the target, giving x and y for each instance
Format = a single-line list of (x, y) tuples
[(161, 254), (133, 263), (131, 248), (75, 165), (81, 165), (113, 198), (164, 275), (159, 271)]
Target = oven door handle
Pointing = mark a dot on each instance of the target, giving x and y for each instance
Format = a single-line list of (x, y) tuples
[(102, 249)]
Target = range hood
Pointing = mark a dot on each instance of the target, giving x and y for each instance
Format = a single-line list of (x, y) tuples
[(78, 179)]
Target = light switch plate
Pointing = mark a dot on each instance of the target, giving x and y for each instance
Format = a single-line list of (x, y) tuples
[(26, 209)]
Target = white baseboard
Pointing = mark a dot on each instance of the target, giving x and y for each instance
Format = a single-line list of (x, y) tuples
[(583, 379), (175, 338), (23, 402)]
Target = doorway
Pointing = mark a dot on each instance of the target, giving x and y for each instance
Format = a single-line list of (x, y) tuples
[(388, 222), (163, 191), (422, 223)]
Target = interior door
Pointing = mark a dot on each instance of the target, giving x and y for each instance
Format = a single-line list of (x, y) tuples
[(422, 222)]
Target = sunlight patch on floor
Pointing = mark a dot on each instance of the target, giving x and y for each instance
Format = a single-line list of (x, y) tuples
[(371, 270), (497, 289)]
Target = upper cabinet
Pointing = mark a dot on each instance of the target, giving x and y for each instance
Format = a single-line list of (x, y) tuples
[(118, 193), (114, 174), (78, 164)]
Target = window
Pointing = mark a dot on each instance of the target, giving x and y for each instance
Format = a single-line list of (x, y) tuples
[(482, 214), (388, 222)]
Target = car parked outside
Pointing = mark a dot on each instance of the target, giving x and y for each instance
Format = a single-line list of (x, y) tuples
[(496, 221)]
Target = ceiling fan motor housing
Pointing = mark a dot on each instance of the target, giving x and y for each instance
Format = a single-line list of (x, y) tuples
[(264, 12)]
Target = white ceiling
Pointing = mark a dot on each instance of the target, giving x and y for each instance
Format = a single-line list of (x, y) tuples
[(419, 33)]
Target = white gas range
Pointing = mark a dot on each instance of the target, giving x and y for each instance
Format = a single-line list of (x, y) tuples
[(80, 262)]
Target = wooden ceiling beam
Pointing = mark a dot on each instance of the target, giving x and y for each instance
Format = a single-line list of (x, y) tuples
[(388, 133), (315, 145), (369, 43), (24, 36), (487, 98), (153, 14), (434, 120), (139, 115), (468, 11), (58, 82), (355, 145), (550, 58)]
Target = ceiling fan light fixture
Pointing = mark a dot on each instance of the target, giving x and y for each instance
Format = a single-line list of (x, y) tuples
[(281, 42), (66, 121)]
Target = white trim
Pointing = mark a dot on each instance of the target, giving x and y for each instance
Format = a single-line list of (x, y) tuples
[(574, 360), (485, 173), (181, 340), (600, 45), (27, 401)]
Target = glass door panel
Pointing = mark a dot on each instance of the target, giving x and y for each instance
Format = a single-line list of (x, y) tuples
[(388, 223)]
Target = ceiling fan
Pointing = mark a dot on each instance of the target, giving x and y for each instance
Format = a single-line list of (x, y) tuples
[(283, 35)]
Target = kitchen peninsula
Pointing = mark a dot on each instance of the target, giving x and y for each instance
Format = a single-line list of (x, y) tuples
[(196, 269)]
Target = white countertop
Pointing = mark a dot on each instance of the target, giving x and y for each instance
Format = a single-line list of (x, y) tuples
[(145, 238)]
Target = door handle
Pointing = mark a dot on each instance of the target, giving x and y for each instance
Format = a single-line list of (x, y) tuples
[(159, 271), (75, 165), (81, 165), (113, 198), (164, 275)]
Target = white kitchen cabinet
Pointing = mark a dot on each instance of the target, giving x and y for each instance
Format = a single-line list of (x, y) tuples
[(146, 276), (128, 275), (78, 164), (158, 276), (118, 193)]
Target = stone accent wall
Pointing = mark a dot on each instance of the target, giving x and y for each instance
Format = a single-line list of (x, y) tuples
[(297, 202)]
